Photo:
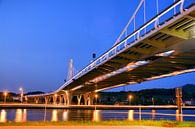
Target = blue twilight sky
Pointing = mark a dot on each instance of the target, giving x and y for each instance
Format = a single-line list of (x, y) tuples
[(38, 37)]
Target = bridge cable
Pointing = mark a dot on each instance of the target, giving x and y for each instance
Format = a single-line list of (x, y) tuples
[(129, 22), (134, 27), (144, 14), (157, 9), (174, 8)]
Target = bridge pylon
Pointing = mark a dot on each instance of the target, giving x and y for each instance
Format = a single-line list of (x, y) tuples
[(70, 70)]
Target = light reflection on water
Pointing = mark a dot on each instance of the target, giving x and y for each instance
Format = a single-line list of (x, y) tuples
[(54, 115), (96, 115), (179, 117), (23, 115), (131, 115), (3, 116), (153, 114), (65, 115)]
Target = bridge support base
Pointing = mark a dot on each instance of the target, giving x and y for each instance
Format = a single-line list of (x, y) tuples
[(46, 100), (36, 100), (61, 99), (69, 98), (54, 99), (79, 99), (86, 99), (65, 99), (91, 98)]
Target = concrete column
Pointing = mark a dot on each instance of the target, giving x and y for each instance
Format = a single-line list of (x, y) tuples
[(49, 99), (91, 98), (86, 98), (69, 98), (46, 100), (61, 98), (79, 99), (179, 103), (36, 100), (55, 99), (65, 99)]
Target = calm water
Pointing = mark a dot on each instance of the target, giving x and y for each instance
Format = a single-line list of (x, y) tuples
[(22, 115)]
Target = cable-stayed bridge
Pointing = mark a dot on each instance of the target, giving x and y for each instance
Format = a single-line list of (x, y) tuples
[(161, 47)]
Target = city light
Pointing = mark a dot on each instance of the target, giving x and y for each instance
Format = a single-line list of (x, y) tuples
[(55, 95), (130, 97), (5, 96), (96, 96), (20, 89), (153, 100), (21, 94)]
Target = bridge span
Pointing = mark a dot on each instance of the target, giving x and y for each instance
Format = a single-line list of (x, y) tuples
[(161, 47)]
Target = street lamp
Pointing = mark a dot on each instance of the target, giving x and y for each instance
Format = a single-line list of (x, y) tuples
[(96, 96), (55, 95), (153, 100), (21, 94), (5, 95), (130, 97)]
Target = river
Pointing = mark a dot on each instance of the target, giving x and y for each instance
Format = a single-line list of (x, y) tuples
[(24, 115)]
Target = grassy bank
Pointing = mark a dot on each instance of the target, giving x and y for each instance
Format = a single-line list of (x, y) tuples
[(161, 123)]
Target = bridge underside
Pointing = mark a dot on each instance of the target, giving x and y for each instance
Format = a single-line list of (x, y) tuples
[(176, 34), (166, 50)]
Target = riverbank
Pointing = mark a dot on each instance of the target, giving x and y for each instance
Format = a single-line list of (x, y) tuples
[(162, 123), (88, 127)]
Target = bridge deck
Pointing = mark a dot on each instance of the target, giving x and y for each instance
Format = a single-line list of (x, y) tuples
[(166, 50), (173, 34)]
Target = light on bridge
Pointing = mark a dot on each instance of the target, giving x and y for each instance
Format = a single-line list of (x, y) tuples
[(55, 95)]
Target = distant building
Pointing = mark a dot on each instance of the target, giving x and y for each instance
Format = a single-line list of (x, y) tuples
[(16, 99), (189, 102), (193, 101)]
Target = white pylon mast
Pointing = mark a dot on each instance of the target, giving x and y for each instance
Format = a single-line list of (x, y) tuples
[(70, 70)]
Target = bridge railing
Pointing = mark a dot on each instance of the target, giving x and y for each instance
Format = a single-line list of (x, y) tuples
[(126, 40)]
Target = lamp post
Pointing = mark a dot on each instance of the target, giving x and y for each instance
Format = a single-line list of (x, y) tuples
[(96, 96), (130, 97), (5, 96), (21, 94), (153, 100)]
